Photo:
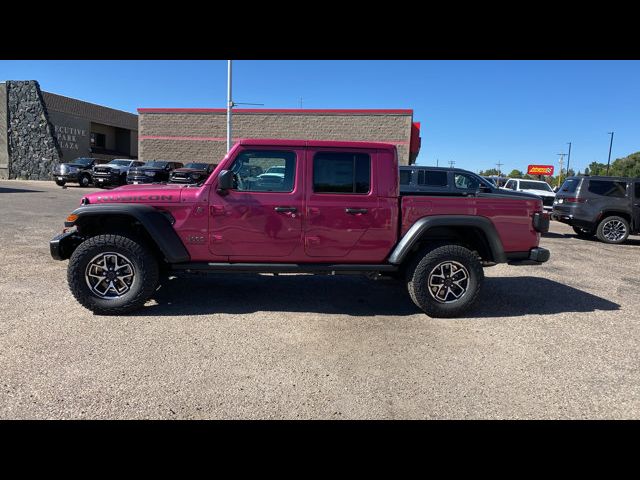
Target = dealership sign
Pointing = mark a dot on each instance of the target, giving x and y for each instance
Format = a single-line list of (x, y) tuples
[(540, 170)]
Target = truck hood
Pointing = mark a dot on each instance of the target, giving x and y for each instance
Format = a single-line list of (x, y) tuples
[(149, 193), (540, 193)]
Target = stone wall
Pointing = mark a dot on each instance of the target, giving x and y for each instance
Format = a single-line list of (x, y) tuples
[(4, 152), (31, 143)]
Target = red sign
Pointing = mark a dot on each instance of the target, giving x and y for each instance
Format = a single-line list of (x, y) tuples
[(540, 170)]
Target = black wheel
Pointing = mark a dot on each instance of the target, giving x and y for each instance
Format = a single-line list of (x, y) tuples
[(613, 230), (112, 274), (60, 183), (584, 232), (84, 180), (445, 281)]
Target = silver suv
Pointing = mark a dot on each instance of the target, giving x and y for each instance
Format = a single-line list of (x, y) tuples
[(608, 207)]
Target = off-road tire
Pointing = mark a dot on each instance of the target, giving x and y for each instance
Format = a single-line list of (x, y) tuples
[(423, 264), (604, 234), (84, 180), (144, 283), (584, 232), (60, 183)]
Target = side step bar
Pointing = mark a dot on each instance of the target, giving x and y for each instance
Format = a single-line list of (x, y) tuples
[(282, 267)]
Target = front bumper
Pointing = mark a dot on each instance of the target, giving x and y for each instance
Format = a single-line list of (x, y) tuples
[(67, 177), (110, 179), (139, 179), (62, 246), (536, 256)]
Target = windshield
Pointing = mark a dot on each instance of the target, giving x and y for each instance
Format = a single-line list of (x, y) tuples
[(82, 161), (535, 186), (156, 164), (122, 163), (197, 166)]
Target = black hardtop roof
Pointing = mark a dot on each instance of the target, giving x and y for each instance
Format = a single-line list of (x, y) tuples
[(444, 169), (604, 177)]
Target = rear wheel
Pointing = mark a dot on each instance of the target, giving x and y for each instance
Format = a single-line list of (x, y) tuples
[(584, 232), (60, 183), (112, 274), (613, 230), (445, 281)]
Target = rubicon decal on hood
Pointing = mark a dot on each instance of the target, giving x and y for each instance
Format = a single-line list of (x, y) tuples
[(134, 198)]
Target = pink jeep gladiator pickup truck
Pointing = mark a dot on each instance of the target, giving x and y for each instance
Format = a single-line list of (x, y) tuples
[(311, 206)]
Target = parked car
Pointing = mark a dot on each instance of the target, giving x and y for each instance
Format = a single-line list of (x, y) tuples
[(537, 187), (608, 207), (114, 173), (338, 210), (450, 182), (155, 171), (79, 171), (194, 172)]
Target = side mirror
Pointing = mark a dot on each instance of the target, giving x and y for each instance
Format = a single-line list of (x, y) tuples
[(225, 181)]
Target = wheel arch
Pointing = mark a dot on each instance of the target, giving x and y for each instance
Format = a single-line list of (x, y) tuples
[(154, 225), (476, 232)]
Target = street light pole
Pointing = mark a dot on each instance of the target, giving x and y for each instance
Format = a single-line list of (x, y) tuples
[(229, 105), (569, 159), (610, 145)]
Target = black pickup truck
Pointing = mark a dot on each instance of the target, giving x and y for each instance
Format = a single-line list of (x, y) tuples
[(79, 171), (155, 171)]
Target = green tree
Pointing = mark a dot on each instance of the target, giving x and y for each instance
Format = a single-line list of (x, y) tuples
[(516, 174), (488, 173)]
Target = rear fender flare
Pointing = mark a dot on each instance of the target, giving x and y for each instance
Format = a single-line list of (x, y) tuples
[(422, 226)]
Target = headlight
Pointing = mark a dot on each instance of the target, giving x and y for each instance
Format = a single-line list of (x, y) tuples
[(150, 174), (195, 176), (73, 169)]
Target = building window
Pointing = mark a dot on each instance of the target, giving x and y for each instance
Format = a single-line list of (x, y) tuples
[(98, 140), (341, 172)]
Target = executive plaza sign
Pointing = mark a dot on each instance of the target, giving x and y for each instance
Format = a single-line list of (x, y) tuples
[(68, 137), (540, 170)]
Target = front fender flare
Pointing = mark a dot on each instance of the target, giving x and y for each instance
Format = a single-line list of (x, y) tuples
[(154, 222)]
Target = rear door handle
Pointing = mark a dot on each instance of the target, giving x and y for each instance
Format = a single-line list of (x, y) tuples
[(355, 211), (285, 209)]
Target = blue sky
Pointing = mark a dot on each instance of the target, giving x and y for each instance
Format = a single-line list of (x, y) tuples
[(473, 112)]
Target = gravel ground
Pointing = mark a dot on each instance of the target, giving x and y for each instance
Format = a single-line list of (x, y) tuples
[(559, 340)]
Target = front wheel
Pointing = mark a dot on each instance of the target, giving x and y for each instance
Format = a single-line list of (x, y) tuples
[(613, 230), (112, 274), (84, 180), (60, 183), (445, 281)]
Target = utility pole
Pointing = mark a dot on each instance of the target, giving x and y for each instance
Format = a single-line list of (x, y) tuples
[(569, 158), (561, 161), (229, 105), (437, 160), (499, 165), (610, 145), (300, 102), (451, 163)]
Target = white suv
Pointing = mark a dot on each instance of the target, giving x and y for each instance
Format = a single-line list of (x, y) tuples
[(537, 187)]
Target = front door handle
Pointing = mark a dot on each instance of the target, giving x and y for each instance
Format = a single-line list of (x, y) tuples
[(355, 211), (285, 209)]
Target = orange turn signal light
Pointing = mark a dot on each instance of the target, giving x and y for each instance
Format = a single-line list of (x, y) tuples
[(72, 218)]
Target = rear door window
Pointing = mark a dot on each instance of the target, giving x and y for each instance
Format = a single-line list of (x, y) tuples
[(608, 188), (432, 178), (341, 172), (405, 177)]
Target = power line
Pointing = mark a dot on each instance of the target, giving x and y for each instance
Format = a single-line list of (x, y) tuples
[(451, 163)]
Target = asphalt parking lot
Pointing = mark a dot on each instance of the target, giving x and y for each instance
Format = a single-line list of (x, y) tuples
[(561, 340)]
